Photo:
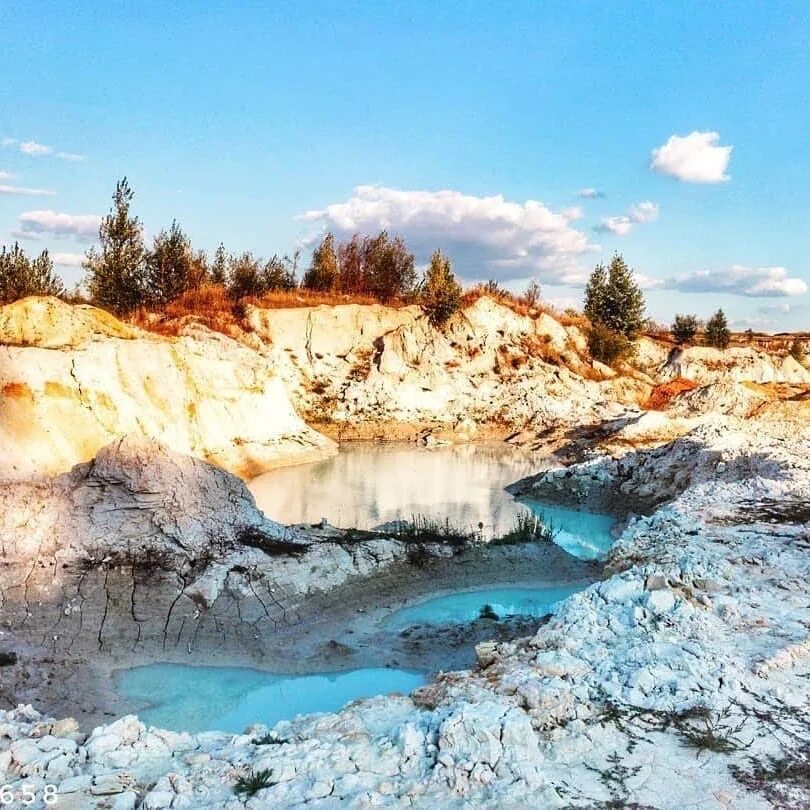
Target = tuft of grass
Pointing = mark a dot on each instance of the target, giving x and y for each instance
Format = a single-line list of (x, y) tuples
[(252, 783), (268, 739), (706, 731), (528, 528), (425, 529)]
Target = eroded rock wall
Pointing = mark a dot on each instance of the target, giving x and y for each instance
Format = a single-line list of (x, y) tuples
[(73, 379)]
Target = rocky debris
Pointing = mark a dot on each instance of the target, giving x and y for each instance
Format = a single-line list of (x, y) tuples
[(73, 379), (687, 668)]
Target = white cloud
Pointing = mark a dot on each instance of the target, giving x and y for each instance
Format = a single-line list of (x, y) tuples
[(71, 157), (22, 191), (693, 158), (68, 259), (590, 193), (487, 237), (622, 224), (35, 224), (36, 149), (644, 212), (761, 282), (6, 176)]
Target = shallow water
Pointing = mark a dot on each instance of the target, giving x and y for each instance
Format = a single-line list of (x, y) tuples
[(367, 485), (466, 605), (189, 698)]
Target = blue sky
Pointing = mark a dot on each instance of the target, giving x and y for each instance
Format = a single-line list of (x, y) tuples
[(262, 124)]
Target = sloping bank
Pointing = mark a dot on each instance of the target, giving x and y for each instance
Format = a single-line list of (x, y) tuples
[(679, 681), (73, 379)]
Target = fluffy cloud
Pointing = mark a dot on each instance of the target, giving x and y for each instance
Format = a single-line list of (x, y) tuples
[(6, 176), (68, 259), (761, 282), (35, 224), (488, 237), (636, 215), (22, 191), (36, 149), (591, 194), (693, 158)]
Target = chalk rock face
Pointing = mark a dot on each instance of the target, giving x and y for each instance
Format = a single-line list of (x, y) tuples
[(354, 363), (73, 379), (704, 364), (134, 499)]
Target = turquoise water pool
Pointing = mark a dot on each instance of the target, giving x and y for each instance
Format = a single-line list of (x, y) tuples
[(465, 606), (586, 535), (189, 698)]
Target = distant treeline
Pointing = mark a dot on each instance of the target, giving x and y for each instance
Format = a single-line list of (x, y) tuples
[(124, 275)]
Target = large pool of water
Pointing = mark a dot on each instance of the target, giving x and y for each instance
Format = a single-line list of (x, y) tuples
[(188, 698), (464, 606), (367, 485)]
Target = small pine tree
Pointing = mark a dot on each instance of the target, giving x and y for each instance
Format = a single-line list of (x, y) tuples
[(323, 272), (441, 293), (21, 276), (613, 303), (117, 268), (717, 332), (684, 328), (219, 267), (169, 266)]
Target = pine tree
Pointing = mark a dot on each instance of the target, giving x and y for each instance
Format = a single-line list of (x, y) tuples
[(388, 267), (219, 267), (323, 273), (595, 292), (350, 261), (244, 277), (117, 268), (441, 293), (624, 302), (717, 332), (614, 304), (279, 274), (684, 328), (169, 266), (21, 276)]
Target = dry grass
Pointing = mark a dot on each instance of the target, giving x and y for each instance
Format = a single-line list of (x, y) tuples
[(208, 305), (279, 299)]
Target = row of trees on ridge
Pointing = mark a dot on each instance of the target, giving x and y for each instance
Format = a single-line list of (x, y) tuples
[(123, 275)]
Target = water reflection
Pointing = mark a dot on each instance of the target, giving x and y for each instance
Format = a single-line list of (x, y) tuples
[(366, 485)]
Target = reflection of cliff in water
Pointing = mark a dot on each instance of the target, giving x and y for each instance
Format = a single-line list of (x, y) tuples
[(369, 484)]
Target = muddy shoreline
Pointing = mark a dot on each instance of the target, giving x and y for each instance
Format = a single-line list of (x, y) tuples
[(333, 631)]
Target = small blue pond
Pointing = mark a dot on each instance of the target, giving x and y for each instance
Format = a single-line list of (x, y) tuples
[(582, 534), (466, 605), (187, 698)]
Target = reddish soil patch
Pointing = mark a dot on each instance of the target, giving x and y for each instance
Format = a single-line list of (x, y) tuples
[(662, 394)]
